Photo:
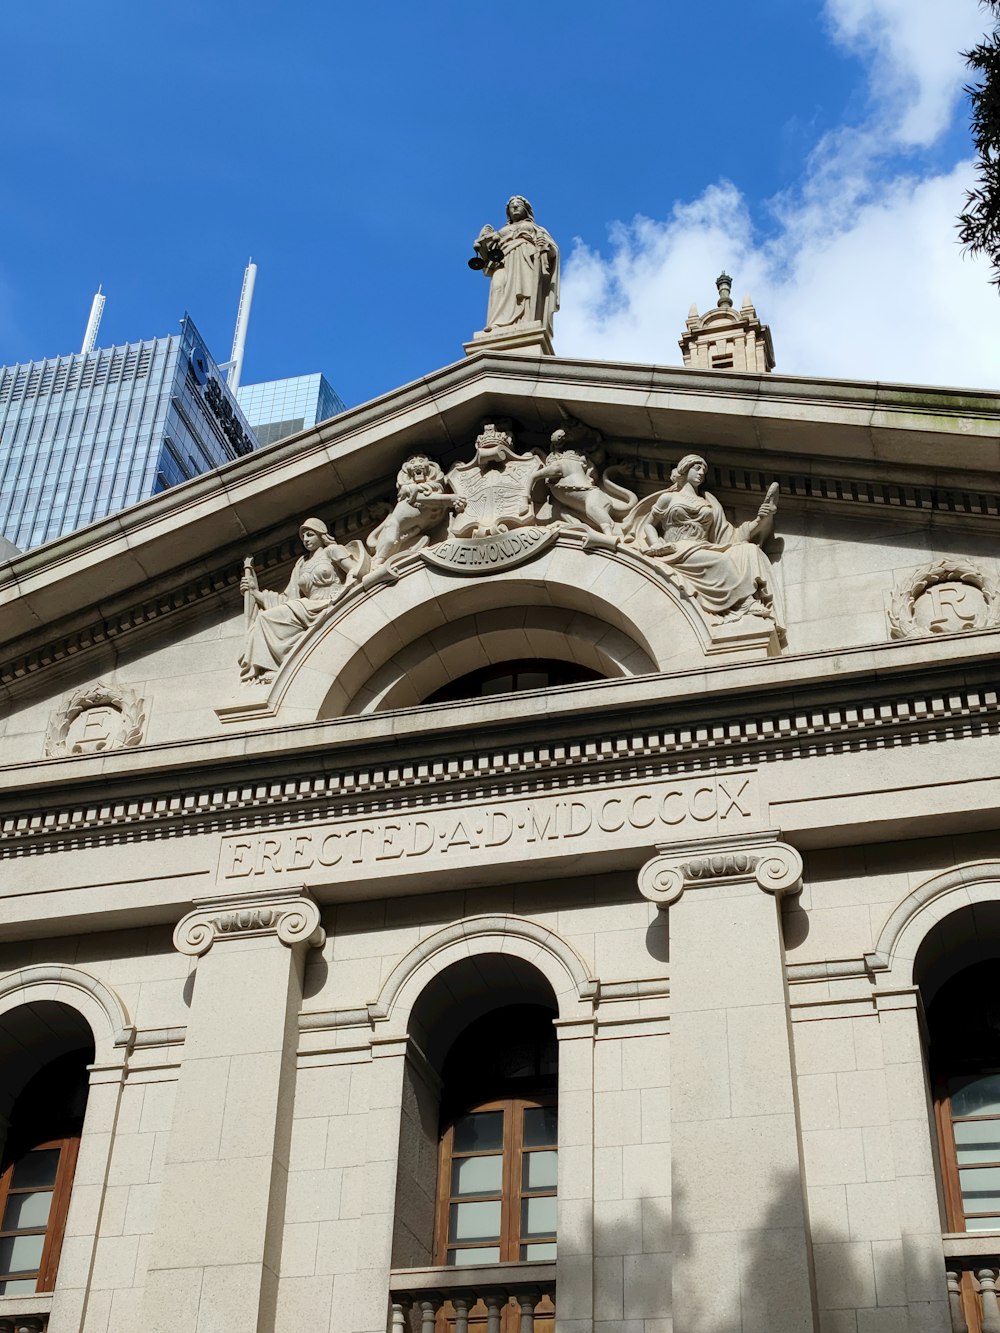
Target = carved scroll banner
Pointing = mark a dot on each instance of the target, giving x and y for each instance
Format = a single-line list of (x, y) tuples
[(485, 555), (522, 830)]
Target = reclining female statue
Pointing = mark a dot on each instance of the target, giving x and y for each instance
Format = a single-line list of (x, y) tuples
[(276, 621), (724, 566)]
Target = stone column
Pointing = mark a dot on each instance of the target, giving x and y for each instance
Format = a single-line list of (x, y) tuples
[(912, 1127), (214, 1254), (741, 1255)]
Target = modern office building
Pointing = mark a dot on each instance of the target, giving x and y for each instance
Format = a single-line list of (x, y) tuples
[(654, 993), (277, 408), (84, 436)]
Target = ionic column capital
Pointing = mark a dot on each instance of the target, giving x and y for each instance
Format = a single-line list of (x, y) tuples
[(760, 858), (290, 914)]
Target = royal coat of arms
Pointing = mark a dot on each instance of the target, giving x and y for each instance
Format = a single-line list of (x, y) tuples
[(496, 485)]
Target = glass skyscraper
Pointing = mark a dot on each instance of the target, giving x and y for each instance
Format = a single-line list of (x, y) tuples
[(84, 436), (278, 408)]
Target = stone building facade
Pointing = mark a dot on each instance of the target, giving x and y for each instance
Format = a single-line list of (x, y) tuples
[(569, 828)]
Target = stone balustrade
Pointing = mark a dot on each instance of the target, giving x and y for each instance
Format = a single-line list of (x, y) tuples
[(418, 1294), (972, 1271)]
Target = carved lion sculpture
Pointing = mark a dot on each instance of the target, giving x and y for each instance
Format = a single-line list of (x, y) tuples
[(423, 501)]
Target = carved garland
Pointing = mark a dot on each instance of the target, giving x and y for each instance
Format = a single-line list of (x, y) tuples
[(102, 695), (902, 612)]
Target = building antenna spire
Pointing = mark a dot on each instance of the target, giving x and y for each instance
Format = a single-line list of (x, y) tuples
[(242, 320), (93, 323)]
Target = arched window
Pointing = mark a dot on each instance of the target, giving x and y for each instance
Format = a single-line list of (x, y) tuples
[(499, 1141), (476, 1174), (513, 677), (36, 1172), (498, 1153), (964, 1025)]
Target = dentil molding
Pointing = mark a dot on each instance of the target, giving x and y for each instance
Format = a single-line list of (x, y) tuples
[(290, 914)]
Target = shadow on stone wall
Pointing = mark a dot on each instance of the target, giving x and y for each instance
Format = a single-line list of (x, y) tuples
[(754, 1281)]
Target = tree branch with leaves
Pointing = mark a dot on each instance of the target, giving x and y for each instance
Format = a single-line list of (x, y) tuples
[(979, 224)]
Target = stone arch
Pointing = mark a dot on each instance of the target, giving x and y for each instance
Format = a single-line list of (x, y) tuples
[(100, 1007), (611, 607), (513, 936), (499, 634), (909, 925)]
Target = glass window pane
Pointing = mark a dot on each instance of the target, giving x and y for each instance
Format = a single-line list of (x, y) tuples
[(980, 1189), (532, 680), (540, 1126), (538, 1217), (18, 1286), (498, 685), (982, 1224), (21, 1254), (480, 1132), (538, 1251), (976, 1096), (475, 1221), (476, 1175), (485, 1254), (36, 1168), (27, 1210), (977, 1141), (538, 1170)]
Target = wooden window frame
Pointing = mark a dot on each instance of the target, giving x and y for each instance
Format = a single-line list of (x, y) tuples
[(513, 1150), (950, 1170), (955, 1214), (55, 1228)]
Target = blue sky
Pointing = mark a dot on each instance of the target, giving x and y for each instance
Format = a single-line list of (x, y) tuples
[(819, 151)]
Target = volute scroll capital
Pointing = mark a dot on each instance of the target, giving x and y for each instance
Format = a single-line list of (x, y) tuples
[(774, 866), (289, 914)]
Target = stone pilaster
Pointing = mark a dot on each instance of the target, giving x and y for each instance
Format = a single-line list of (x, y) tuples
[(214, 1254), (741, 1260)]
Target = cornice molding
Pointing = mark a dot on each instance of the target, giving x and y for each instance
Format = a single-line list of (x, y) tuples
[(803, 485), (295, 790)]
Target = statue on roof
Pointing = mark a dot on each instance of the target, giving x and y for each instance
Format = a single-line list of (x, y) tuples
[(521, 261)]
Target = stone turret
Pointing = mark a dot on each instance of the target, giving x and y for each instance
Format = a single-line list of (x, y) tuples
[(725, 338)]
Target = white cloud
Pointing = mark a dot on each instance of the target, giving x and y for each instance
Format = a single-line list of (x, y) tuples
[(860, 274), (883, 293), (914, 48)]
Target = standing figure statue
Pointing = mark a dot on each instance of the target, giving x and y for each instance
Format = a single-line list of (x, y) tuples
[(521, 261), (276, 621), (423, 503), (724, 566)]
